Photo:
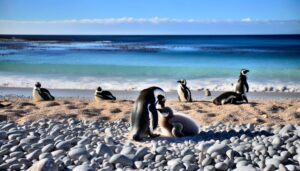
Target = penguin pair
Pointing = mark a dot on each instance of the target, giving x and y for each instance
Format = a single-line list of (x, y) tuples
[(237, 97), (103, 95), (41, 94), (184, 93)]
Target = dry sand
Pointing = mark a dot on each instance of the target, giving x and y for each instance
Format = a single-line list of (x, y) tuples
[(267, 112)]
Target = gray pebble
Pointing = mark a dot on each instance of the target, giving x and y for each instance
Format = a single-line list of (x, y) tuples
[(84, 167), (119, 158), (44, 165)]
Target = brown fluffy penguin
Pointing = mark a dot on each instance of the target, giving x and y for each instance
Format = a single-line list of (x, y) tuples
[(176, 125)]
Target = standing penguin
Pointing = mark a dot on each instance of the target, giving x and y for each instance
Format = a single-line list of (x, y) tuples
[(184, 93), (242, 85), (41, 94), (103, 95), (144, 117)]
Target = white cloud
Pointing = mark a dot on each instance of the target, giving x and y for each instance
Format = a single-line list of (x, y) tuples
[(247, 19), (155, 25), (123, 20)]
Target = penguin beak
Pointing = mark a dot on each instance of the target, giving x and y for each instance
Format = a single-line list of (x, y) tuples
[(165, 115), (179, 81), (161, 111)]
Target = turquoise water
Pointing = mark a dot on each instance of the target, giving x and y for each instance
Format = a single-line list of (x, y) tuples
[(134, 62)]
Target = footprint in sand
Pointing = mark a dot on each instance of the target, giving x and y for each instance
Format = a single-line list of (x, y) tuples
[(115, 110), (70, 106), (275, 109), (49, 104), (211, 115)]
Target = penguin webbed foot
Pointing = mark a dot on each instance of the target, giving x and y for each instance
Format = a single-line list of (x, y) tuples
[(152, 135), (177, 130), (136, 137)]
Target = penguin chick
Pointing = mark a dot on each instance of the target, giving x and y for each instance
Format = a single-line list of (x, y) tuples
[(177, 125)]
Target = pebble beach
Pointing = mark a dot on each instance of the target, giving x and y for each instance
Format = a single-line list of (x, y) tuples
[(81, 135)]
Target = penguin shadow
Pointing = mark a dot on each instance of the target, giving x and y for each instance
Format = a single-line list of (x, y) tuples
[(211, 135), (252, 104)]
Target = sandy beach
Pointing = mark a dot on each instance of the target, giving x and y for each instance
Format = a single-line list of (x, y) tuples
[(266, 109)]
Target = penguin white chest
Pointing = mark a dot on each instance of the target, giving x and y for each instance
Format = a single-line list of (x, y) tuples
[(180, 93), (36, 95)]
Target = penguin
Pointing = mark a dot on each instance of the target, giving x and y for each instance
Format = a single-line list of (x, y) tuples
[(103, 95), (41, 94), (176, 125), (184, 93), (144, 117), (230, 97), (242, 85)]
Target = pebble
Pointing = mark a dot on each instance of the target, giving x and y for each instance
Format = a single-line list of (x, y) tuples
[(103, 149), (72, 144), (84, 168), (63, 145), (48, 148), (161, 150), (78, 152), (44, 165), (221, 166), (245, 168), (122, 159), (218, 148), (139, 164)]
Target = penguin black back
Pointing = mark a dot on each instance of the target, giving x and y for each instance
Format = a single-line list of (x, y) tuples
[(242, 85), (145, 110), (229, 97)]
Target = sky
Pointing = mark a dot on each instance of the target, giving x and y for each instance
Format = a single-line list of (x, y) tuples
[(149, 17)]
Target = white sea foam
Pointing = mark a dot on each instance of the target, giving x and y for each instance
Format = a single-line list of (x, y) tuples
[(117, 83)]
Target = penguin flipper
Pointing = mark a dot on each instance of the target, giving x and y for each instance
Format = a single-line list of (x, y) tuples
[(247, 86), (177, 129), (107, 95)]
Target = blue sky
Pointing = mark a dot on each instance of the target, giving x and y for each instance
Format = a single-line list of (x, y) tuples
[(149, 16)]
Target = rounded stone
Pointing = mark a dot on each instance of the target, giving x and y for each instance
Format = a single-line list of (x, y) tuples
[(84, 167), (103, 149), (221, 166), (218, 148), (46, 164), (77, 152), (122, 159)]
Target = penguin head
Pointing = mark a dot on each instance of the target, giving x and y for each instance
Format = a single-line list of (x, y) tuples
[(166, 112), (99, 89), (38, 85), (244, 71), (159, 95), (182, 82), (161, 100)]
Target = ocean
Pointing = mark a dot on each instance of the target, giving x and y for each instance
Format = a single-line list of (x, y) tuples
[(137, 62)]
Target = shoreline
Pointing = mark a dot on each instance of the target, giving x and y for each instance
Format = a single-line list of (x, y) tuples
[(132, 94)]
